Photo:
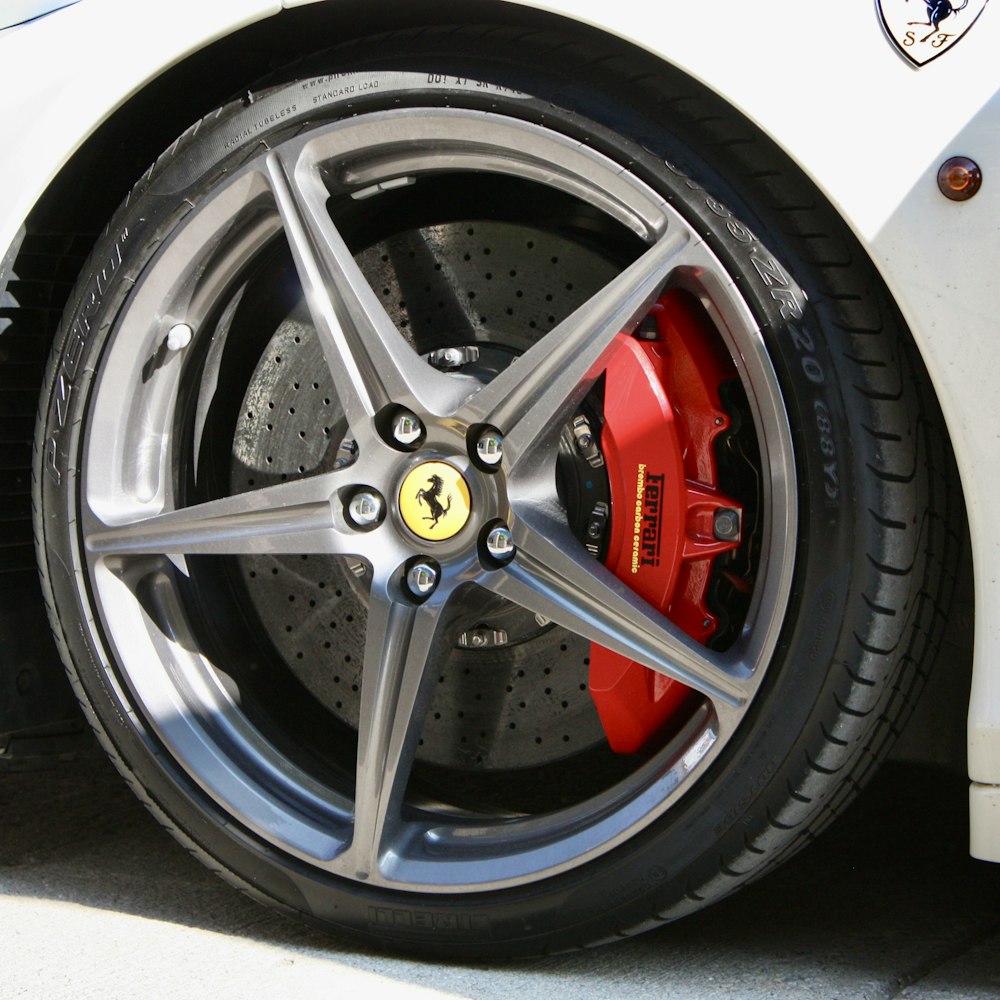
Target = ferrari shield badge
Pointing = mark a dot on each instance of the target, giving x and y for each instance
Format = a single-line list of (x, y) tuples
[(922, 30)]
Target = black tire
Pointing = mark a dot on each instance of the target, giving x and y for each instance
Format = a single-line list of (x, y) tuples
[(233, 733)]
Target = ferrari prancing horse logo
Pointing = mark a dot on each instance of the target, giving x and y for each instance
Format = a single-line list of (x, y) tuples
[(922, 30), (434, 501)]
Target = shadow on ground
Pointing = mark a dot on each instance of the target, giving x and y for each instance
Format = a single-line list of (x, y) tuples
[(886, 903)]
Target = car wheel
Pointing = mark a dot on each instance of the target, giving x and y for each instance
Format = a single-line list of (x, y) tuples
[(466, 528)]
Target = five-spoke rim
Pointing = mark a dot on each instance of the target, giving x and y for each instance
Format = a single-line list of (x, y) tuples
[(137, 533)]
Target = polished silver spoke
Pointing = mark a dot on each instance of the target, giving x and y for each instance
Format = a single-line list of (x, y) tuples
[(539, 391), (296, 517), (554, 576), (371, 363), (400, 641)]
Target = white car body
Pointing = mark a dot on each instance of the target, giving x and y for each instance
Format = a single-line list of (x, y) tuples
[(821, 78)]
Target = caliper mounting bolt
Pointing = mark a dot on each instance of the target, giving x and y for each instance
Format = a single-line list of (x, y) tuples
[(597, 526), (483, 637), (586, 442), (727, 524)]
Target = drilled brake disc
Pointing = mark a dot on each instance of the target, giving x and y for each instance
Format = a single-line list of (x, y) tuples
[(513, 692)]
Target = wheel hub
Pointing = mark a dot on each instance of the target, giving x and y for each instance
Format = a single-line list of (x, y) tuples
[(513, 692)]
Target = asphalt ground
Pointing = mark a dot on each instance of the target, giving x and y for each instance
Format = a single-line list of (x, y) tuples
[(96, 901)]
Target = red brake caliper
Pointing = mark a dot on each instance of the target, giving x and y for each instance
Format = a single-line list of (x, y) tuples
[(662, 414)]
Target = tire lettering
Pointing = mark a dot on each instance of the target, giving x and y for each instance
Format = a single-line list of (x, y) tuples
[(790, 301), (444, 923), (824, 424), (717, 207), (813, 371), (52, 459), (832, 483), (770, 270), (802, 339), (785, 297), (444, 79), (105, 273), (69, 362), (740, 232), (752, 787), (332, 95), (63, 394), (333, 89), (75, 345), (260, 124)]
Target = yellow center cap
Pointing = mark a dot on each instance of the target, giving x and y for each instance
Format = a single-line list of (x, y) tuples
[(434, 501)]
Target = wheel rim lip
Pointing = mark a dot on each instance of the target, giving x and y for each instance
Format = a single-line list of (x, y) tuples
[(192, 713)]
